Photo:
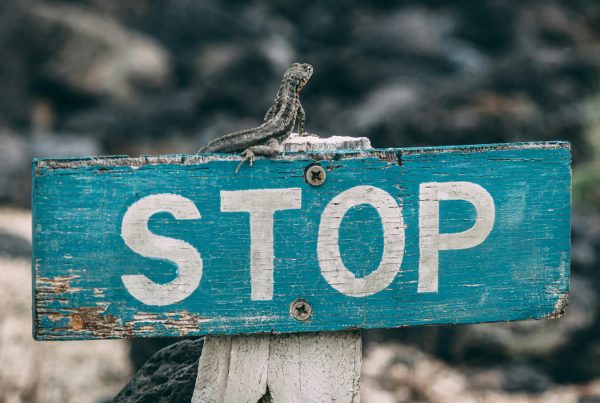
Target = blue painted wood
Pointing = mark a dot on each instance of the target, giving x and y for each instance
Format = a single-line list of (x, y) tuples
[(520, 271)]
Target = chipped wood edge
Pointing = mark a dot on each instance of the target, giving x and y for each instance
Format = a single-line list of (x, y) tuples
[(284, 368), (559, 308), (296, 149)]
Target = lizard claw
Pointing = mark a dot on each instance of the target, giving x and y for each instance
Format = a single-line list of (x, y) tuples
[(248, 156)]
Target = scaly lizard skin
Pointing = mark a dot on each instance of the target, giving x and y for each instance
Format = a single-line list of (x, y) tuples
[(282, 117)]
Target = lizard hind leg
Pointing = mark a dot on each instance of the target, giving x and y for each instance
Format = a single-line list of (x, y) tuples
[(271, 148)]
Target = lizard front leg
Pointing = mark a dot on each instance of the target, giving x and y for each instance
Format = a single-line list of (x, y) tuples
[(300, 120), (271, 148)]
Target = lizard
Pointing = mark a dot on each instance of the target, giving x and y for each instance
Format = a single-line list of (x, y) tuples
[(281, 118)]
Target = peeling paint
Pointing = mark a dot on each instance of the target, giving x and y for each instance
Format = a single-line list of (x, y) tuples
[(55, 285), (94, 321)]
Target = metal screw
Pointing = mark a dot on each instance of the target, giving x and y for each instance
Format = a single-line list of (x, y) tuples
[(315, 175), (77, 322), (300, 309)]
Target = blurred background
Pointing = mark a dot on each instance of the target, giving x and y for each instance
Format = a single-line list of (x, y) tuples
[(139, 77)]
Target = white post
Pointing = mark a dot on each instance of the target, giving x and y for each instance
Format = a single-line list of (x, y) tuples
[(286, 368)]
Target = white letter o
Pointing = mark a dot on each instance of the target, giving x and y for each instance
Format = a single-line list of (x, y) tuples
[(328, 249)]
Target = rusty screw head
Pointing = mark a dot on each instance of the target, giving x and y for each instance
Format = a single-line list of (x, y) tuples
[(77, 322), (315, 175), (300, 309)]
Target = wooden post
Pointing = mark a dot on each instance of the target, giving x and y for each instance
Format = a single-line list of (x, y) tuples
[(287, 368), (302, 367)]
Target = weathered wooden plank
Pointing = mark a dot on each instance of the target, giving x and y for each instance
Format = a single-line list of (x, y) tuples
[(428, 247)]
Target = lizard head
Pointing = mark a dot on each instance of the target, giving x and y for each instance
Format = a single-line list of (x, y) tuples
[(299, 74)]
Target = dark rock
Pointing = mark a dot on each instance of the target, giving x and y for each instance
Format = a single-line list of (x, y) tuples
[(15, 171), (14, 246), (15, 69), (142, 349), (168, 376), (524, 378), (585, 244)]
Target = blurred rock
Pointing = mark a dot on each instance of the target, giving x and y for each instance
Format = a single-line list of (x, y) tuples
[(392, 99), (395, 373), (17, 151), (585, 245), (224, 77), (119, 127), (402, 74), (14, 246), (94, 55), (15, 168), (60, 145), (16, 222), (524, 378), (168, 376), (15, 72)]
